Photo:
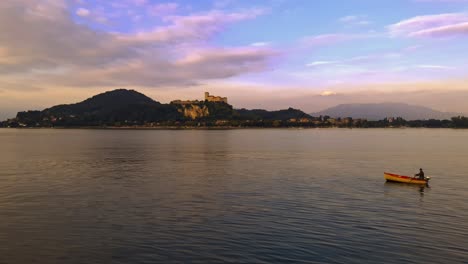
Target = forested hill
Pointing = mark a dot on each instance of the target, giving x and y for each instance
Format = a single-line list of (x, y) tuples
[(108, 108), (105, 102)]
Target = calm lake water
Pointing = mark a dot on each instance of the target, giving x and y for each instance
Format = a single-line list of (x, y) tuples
[(240, 196)]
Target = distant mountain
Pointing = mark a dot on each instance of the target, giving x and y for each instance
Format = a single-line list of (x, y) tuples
[(383, 110)]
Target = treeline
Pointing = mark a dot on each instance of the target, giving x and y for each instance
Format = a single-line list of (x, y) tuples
[(454, 122), (238, 120), (128, 108)]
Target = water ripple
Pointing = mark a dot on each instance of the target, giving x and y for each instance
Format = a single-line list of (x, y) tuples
[(237, 196)]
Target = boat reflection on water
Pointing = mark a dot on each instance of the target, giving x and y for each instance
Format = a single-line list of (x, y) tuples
[(390, 186)]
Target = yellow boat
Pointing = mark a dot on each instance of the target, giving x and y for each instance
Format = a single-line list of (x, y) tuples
[(405, 179)]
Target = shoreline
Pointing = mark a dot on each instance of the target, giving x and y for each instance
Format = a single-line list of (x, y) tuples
[(216, 128)]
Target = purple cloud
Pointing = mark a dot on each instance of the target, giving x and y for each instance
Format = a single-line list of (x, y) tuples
[(198, 27), (47, 47)]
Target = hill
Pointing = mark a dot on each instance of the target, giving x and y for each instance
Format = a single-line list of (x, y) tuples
[(118, 106), (104, 103), (128, 107), (383, 110), (260, 114)]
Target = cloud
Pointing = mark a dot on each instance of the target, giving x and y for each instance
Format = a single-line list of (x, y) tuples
[(227, 62), (433, 67), (197, 27), (321, 63), (371, 58), (329, 39), (441, 25), (326, 39), (328, 93), (450, 30), (260, 44), (47, 47), (82, 12), (196, 66), (354, 20)]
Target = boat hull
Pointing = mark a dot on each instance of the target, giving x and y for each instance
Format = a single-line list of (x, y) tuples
[(404, 179)]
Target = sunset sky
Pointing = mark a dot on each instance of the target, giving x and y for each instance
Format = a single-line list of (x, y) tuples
[(272, 54)]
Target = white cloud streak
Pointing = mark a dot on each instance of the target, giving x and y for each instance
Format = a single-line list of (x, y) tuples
[(441, 25), (322, 63), (433, 67), (354, 20)]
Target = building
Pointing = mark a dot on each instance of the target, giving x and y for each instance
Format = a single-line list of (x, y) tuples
[(211, 98), (208, 97)]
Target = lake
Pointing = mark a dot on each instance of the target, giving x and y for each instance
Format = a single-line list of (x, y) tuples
[(232, 196)]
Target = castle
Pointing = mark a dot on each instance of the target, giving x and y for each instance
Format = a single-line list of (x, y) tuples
[(211, 98), (208, 97)]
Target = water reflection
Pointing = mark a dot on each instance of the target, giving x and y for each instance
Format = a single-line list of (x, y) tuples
[(394, 186)]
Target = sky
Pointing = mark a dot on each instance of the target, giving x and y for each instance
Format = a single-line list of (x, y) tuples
[(270, 54)]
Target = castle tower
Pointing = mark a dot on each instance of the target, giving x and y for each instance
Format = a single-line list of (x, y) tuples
[(212, 98)]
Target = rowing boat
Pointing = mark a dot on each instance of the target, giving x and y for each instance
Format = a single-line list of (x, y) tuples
[(405, 179)]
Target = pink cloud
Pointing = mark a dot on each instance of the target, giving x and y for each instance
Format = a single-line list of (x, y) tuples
[(328, 39), (450, 30), (82, 12), (189, 28), (431, 26)]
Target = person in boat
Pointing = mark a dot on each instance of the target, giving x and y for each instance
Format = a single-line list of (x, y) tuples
[(420, 174)]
